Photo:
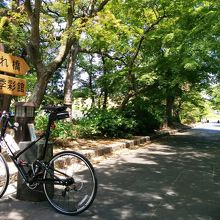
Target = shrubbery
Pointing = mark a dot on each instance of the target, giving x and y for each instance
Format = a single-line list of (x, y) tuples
[(41, 122), (136, 120), (105, 122), (146, 121), (63, 130)]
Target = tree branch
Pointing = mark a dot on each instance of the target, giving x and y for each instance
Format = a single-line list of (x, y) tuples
[(50, 10), (62, 54), (92, 11), (28, 7), (83, 50), (131, 77), (146, 30), (101, 6)]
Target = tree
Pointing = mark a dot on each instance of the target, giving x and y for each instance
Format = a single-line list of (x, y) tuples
[(158, 46), (179, 54), (130, 49), (51, 28), (119, 38), (89, 67)]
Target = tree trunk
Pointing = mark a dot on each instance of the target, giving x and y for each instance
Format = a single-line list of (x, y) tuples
[(39, 90), (69, 78), (92, 95), (105, 87), (169, 109), (104, 106), (90, 83), (176, 112), (125, 101), (44, 73)]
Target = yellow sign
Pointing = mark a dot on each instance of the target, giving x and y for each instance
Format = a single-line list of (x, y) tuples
[(12, 86), (12, 64)]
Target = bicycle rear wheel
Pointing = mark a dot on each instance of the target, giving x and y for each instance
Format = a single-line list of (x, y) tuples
[(4, 175), (74, 184)]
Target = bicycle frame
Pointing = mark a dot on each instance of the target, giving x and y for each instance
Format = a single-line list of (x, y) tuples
[(68, 178), (14, 156)]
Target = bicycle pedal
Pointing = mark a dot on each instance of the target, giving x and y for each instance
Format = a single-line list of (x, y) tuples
[(39, 173)]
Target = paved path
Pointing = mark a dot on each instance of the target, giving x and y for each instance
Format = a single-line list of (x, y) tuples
[(174, 178)]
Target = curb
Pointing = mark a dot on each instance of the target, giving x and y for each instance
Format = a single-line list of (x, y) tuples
[(105, 150)]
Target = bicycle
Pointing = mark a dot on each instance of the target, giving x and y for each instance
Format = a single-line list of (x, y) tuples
[(69, 179)]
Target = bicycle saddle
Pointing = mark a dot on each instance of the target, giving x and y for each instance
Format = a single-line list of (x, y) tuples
[(54, 109)]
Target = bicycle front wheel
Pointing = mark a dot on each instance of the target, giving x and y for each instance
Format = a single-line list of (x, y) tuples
[(4, 175), (70, 183)]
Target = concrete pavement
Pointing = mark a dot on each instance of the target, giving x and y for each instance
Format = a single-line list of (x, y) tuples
[(174, 178)]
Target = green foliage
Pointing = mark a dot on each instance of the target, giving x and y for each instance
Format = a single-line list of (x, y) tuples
[(87, 128), (136, 119), (106, 122), (191, 113), (193, 108), (215, 97), (121, 59), (41, 122), (81, 93), (63, 130), (146, 120), (12, 36)]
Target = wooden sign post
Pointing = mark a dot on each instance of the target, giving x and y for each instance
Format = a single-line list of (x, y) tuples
[(13, 65), (12, 85)]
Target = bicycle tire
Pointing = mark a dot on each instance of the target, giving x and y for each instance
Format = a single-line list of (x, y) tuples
[(77, 197), (4, 175)]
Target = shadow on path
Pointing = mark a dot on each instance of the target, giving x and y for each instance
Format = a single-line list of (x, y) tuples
[(176, 178)]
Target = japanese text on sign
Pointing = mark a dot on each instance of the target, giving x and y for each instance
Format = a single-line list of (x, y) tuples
[(12, 64), (12, 86)]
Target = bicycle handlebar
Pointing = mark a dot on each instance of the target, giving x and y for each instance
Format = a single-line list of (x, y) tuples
[(56, 113), (7, 123)]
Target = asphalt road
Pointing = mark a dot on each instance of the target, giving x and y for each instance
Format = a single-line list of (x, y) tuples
[(174, 178)]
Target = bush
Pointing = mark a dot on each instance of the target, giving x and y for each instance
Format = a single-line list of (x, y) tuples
[(41, 122), (146, 121), (63, 129), (136, 119), (108, 123)]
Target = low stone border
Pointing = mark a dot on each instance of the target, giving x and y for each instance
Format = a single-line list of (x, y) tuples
[(105, 150)]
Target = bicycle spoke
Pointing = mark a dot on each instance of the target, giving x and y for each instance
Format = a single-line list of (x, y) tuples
[(79, 183)]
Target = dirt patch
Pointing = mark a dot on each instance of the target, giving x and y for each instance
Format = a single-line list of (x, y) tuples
[(93, 144), (87, 144)]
